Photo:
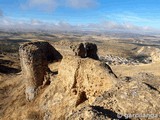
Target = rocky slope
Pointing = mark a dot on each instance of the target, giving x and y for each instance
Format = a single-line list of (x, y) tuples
[(79, 88)]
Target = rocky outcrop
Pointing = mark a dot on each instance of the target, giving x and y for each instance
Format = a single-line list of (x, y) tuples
[(34, 58), (78, 83), (91, 50), (131, 100), (82, 89), (87, 78), (79, 50), (79, 80), (85, 50)]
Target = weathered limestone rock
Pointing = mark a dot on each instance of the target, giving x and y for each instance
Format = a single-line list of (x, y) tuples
[(131, 98), (78, 83), (91, 50), (34, 58), (87, 78), (79, 50), (85, 50)]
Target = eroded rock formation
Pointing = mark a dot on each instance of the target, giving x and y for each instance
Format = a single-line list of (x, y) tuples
[(91, 50), (82, 89), (79, 50), (79, 82), (35, 57), (86, 77), (85, 50)]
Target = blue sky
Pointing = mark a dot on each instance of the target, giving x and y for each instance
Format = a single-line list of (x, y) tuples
[(96, 14)]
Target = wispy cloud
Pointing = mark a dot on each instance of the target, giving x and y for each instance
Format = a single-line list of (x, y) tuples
[(124, 27), (35, 24), (81, 3), (46, 5), (51, 5), (128, 17)]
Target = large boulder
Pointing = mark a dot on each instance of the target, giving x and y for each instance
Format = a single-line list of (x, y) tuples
[(84, 50), (79, 50), (34, 57), (91, 50)]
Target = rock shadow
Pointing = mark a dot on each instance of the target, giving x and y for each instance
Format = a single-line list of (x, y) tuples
[(109, 114), (8, 70)]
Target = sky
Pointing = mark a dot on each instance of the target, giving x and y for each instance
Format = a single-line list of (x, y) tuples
[(121, 15)]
